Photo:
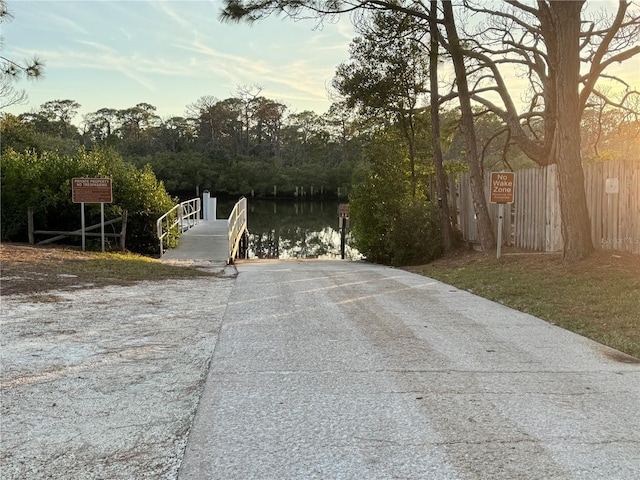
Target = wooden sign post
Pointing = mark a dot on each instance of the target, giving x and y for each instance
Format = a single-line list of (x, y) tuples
[(502, 191), (91, 190)]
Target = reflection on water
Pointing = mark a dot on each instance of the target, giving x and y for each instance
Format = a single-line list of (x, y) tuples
[(293, 229)]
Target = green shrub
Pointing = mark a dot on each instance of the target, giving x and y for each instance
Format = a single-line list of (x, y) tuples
[(390, 224), (43, 182), (394, 231)]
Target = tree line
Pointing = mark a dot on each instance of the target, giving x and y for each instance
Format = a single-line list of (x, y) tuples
[(243, 144)]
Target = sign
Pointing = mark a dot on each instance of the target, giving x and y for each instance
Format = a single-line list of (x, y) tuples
[(91, 190), (343, 210), (612, 185), (502, 187)]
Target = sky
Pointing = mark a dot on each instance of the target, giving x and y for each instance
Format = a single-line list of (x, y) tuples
[(168, 53)]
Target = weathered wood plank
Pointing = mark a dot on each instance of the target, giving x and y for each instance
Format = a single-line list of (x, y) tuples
[(536, 217)]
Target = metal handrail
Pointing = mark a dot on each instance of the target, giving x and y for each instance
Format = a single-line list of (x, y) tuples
[(237, 227), (185, 214)]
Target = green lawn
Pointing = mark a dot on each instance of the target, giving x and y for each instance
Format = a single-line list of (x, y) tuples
[(598, 298)]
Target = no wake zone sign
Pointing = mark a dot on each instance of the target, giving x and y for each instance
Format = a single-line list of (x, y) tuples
[(502, 187)]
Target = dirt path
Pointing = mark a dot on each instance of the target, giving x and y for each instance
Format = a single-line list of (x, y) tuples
[(104, 382)]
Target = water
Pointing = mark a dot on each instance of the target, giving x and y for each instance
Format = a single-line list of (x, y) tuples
[(292, 229)]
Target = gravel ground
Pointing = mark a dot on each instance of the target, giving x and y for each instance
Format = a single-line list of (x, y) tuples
[(104, 383)]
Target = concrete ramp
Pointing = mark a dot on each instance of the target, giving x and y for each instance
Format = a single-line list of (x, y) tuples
[(343, 370)]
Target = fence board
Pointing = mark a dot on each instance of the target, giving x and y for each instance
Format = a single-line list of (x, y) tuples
[(554, 214), (535, 218), (619, 213)]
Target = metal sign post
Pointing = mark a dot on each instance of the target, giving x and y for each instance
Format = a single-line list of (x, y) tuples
[(502, 191), (82, 225), (500, 220), (343, 217)]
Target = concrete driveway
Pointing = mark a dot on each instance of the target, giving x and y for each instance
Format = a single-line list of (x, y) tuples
[(335, 370)]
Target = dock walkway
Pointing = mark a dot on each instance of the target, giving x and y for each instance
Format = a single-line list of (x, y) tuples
[(204, 245)]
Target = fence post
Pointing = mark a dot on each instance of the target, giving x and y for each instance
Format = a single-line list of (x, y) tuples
[(30, 225), (123, 231)]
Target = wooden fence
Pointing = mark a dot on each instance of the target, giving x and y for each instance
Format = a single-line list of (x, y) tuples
[(533, 221), (59, 235)]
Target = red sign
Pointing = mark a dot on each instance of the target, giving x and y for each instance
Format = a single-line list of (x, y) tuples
[(502, 187), (343, 210), (91, 190)]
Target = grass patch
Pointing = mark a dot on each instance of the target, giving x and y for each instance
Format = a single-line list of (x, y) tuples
[(598, 298), (44, 298), (32, 270), (127, 267)]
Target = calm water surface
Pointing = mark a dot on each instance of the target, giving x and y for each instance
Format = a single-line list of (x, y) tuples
[(292, 229)]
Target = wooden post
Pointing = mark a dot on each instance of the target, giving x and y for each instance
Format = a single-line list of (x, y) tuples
[(123, 231), (30, 225)]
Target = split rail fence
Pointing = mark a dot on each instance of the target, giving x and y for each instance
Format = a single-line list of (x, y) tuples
[(88, 231), (533, 221)]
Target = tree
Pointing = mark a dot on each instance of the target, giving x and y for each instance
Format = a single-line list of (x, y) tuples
[(346, 132), (9, 95), (203, 113), (269, 116), (135, 123), (610, 132), (434, 110), (387, 76), (11, 70), (100, 125), (60, 113), (546, 42), (249, 97), (177, 134), (476, 179), (303, 138), (16, 134)]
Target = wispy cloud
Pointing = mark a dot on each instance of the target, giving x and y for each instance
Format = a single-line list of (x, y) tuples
[(67, 24), (164, 7)]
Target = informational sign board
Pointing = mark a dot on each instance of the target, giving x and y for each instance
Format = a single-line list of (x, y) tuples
[(502, 187), (343, 210), (91, 190)]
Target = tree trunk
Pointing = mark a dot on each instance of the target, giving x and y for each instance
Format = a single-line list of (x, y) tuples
[(485, 231), (441, 179), (576, 227)]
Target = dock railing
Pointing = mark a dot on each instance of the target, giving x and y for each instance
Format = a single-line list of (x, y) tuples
[(237, 225), (184, 216)]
